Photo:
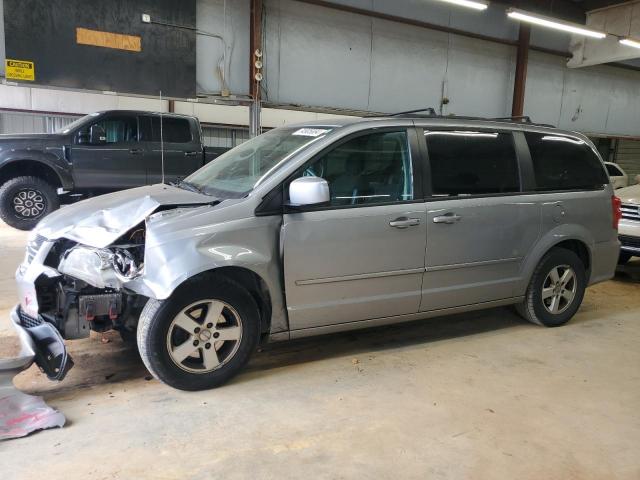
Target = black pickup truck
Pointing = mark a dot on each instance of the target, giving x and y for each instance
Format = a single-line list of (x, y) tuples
[(98, 153)]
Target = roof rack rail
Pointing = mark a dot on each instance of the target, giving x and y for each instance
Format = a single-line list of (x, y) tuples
[(514, 118), (429, 110), (431, 113)]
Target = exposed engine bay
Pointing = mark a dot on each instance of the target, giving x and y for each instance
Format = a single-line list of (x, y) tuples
[(89, 293)]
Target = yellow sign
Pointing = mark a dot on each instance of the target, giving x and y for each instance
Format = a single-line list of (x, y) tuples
[(19, 70)]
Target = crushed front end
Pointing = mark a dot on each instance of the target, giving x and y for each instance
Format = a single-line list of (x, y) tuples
[(67, 289)]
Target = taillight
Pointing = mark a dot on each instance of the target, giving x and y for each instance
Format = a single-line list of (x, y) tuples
[(616, 207)]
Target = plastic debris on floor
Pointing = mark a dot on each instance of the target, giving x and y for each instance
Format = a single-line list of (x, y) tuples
[(21, 414)]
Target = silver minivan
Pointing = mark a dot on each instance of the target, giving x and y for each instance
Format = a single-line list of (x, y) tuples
[(320, 228)]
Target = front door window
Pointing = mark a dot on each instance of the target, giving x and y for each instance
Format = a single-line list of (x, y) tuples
[(369, 169)]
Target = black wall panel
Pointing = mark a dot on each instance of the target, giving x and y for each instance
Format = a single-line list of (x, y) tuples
[(44, 32)]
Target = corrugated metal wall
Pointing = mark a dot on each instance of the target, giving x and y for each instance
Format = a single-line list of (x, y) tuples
[(628, 157), (19, 122), (321, 57)]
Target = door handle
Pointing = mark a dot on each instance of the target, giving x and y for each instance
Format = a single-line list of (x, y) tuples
[(190, 154), (447, 218), (404, 222), (136, 151)]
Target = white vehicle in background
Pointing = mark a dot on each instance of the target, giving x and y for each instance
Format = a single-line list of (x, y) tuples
[(629, 227), (619, 178)]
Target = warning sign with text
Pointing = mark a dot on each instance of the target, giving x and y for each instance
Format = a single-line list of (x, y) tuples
[(19, 70)]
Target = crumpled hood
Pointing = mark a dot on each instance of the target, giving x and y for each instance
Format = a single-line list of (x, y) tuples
[(99, 221), (629, 194)]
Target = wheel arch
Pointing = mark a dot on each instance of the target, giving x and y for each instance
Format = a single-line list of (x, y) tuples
[(248, 279), (570, 237), (30, 168)]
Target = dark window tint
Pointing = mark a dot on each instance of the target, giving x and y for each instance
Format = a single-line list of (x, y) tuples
[(120, 129), (613, 170), (472, 162), (564, 163), (174, 130), (373, 168)]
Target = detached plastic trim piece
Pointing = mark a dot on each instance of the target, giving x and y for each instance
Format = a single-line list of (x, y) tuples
[(44, 345)]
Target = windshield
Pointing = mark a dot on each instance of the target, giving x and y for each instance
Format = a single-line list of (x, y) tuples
[(76, 123), (235, 173)]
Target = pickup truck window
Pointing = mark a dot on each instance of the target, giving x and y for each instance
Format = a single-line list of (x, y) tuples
[(77, 123), (118, 129), (235, 173), (174, 130)]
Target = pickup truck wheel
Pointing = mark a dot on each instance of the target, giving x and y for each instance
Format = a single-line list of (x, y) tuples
[(201, 336), (556, 289), (24, 201)]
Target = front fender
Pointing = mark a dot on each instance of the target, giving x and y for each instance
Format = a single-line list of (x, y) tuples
[(51, 157), (251, 243)]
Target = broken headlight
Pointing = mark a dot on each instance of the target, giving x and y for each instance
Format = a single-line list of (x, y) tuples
[(125, 264), (100, 267)]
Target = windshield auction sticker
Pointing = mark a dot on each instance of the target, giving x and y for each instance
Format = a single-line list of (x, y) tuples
[(19, 70), (310, 132)]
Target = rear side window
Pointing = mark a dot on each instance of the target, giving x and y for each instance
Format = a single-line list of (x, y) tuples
[(174, 130), (613, 171), (472, 162), (564, 163)]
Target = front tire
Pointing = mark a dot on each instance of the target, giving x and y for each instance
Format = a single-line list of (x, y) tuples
[(24, 201), (556, 289), (201, 336)]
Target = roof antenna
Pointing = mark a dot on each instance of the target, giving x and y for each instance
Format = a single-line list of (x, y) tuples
[(161, 139)]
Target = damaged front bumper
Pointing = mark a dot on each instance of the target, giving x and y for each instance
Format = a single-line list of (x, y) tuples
[(57, 302), (41, 343)]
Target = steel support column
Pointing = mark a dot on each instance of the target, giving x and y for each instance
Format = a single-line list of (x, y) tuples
[(522, 60), (255, 47)]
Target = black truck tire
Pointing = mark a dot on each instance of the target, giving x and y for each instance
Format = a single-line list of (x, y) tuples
[(24, 201)]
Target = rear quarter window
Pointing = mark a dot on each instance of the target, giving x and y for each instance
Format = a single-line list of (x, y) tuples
[(564, 163), (613, 171)]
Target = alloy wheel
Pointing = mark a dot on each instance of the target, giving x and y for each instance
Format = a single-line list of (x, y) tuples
[(29, 203), (559, 289), (204, 336)]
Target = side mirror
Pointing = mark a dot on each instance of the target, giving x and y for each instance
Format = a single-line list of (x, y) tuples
[(308, 191), (97, 135)]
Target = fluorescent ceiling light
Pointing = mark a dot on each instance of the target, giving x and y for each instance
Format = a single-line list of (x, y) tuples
[(553, 23), (475, 4), (630, 43)]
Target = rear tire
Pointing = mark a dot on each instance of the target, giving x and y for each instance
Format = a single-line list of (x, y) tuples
[(201, 336), (624, 258), (24, 201), (551, 299)]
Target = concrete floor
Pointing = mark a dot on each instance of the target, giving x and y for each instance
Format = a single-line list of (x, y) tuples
[(479, 395)]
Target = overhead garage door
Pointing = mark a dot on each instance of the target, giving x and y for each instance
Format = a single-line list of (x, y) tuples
[(628, 157)]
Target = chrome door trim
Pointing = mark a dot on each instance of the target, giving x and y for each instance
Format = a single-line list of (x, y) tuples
[(360, 276), (454, 266)]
